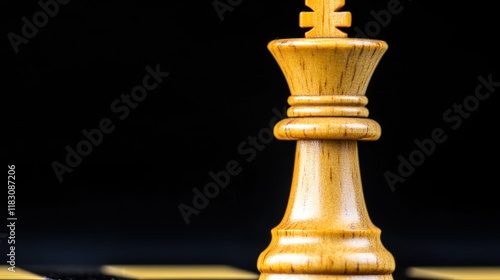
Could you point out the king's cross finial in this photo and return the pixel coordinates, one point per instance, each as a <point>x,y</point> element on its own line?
<point>325,18</point>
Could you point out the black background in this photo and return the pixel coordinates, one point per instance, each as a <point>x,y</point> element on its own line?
<point>120,203</point>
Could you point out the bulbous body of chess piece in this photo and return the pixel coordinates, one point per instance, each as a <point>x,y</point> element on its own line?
<point>326,232</point>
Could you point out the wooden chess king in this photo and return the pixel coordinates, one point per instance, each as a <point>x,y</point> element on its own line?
<point>326,232</point>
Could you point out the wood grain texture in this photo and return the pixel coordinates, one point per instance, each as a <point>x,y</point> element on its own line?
<point>325,19</point>
<point>326,231</point>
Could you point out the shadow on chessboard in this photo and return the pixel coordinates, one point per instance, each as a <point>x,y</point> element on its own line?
<point>213,272</point>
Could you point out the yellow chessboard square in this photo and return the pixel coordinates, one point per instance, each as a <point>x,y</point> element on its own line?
<point>158,272</point>
<point>19,274</point>
<point>454,273</point>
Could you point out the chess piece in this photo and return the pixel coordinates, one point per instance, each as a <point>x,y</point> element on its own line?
<point>326,232</point>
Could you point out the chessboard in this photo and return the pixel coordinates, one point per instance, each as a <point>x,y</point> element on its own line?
<point>215,272</point>
<point>128,272</point>
<point>454,273</point>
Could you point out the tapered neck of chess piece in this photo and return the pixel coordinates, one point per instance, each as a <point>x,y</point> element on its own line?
<point>326,231</point>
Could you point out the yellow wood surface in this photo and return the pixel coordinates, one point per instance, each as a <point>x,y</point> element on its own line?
<point>454,273</point>
<point>325,19</point>
<point>19,274</point>
<point>178,272</point>
<point>326,232</point>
